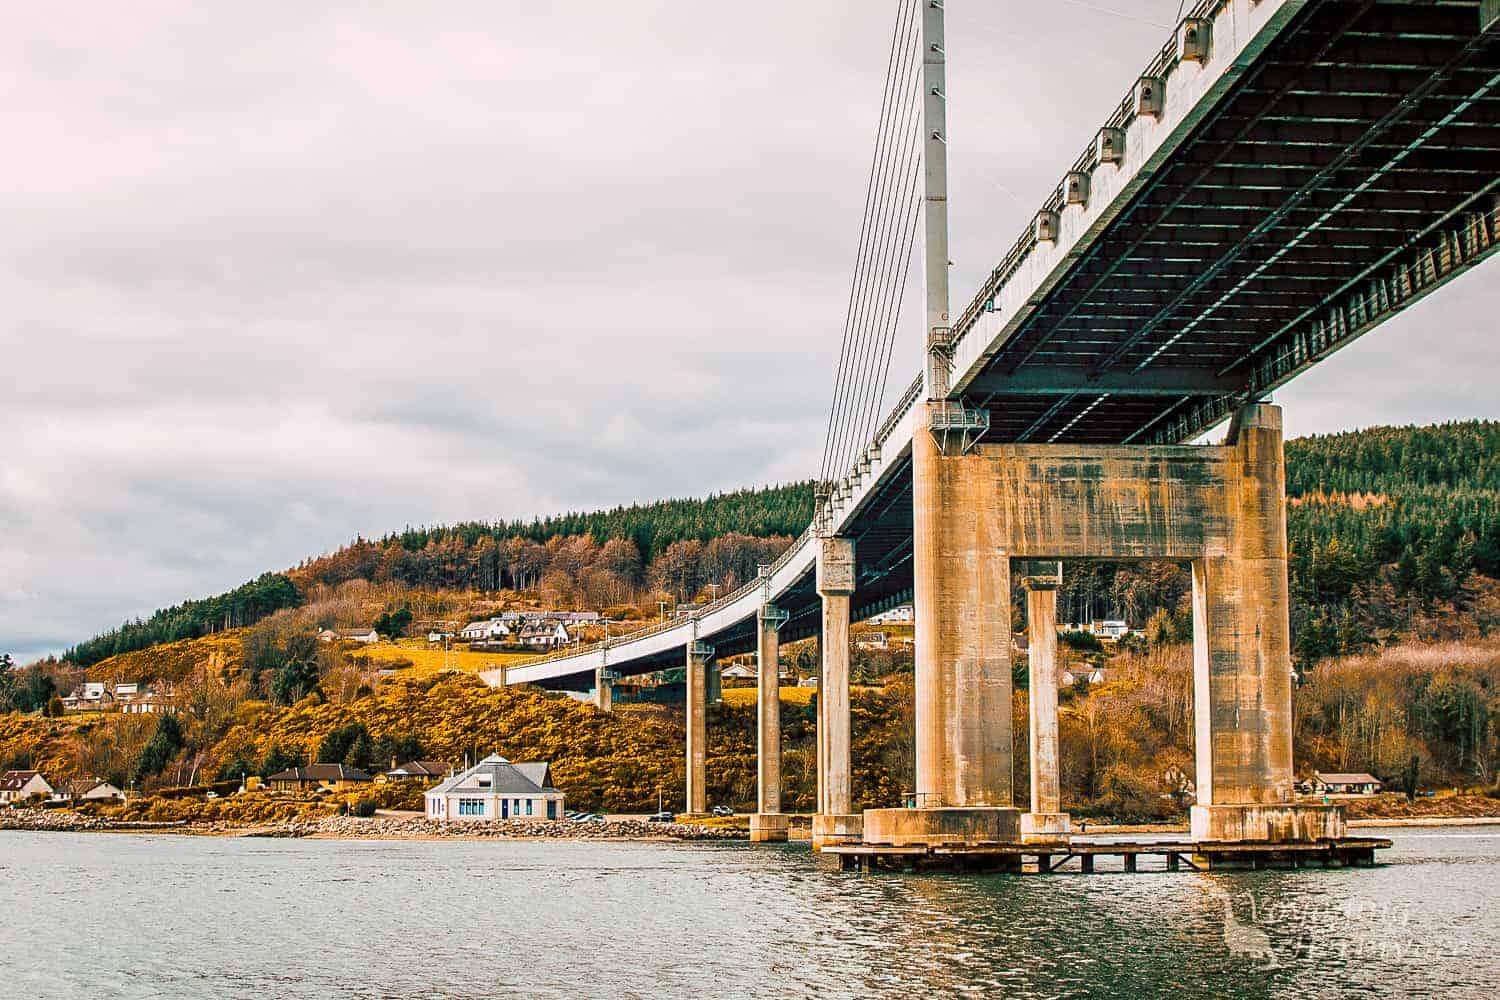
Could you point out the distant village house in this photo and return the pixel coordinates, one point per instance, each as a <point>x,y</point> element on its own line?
<point>364,636</point>
<point>18,785</point>
<point>416,770</point>
<point>329,777</point>
<point>1344,784</point>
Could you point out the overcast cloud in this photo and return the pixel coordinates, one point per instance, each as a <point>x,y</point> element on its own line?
<point>273,275</point>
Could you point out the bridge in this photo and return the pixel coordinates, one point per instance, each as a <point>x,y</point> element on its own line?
<point>1281,178</point>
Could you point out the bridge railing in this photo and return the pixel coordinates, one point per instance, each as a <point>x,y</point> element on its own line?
<point>667,625</point>
<point>1162,64</point>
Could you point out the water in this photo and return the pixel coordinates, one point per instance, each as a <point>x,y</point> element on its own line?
<point>93,915</point>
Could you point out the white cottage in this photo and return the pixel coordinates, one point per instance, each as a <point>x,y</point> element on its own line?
<point>497,789</point>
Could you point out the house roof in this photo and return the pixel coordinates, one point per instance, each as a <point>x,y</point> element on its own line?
<point>79,787</point>
<point>14,781</point>
<point>321,772</point>
<point>1346,779</point>
<point>421,768</point>
<point>505,778</point>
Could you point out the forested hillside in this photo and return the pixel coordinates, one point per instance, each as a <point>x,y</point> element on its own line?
<point>1387,526</point>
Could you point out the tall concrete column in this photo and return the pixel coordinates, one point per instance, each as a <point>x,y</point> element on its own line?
<point>768,823</point>
<point>835,821</point>
<point>604,690</point>
<point>1046,820</point>
<point>1242,661</point>
<point>963,633</point>
<point>699,656</point>
<point>961,576</point>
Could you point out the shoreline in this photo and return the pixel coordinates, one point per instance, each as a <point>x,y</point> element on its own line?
<point>619,831</point>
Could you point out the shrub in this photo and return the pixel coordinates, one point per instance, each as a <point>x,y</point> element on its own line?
<point>363,808</point>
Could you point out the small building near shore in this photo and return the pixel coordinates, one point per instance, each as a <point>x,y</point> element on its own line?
<point>496,789</point>
<point>90,790</point>
<point>329,777</point>
<point>1344,784</point>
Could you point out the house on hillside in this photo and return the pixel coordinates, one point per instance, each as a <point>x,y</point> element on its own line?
<point>147,704</point>
<point>871,640</point>
<point>89,695</point>
<point>545,634</point>
<point>416,770</point>
<point>496,789</point>
<point>1084,672</point>
<point>487,630</point>
<point>1345,784</point>
<point>89,790</point>
<point>313,777</point>
<point>18,785</point>
<point>364,636</point>
<point>739,672</point>
<point>903,615</point>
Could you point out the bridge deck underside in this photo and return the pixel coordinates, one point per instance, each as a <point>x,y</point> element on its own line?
<point>1361,133</point>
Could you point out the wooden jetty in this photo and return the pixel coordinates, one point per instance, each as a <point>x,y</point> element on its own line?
<point>1058,857</point>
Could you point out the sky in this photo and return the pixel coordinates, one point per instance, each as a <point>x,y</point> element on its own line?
<point>275,275</point>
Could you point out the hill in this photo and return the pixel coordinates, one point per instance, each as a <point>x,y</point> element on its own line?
<point>1388,527</point>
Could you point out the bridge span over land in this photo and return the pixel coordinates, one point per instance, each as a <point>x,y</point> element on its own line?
<point>1282,177</point>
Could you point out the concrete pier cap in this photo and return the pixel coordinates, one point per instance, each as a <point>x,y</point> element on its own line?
<point>769,827</point>
<point>964,826</point>
<point>837,828</point>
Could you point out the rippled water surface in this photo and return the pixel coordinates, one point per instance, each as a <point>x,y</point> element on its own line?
<point>91,915</point>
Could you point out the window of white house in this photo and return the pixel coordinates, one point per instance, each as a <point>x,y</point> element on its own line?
<point>528,807</point>
<point>516,807</point>
<point>471,807</point>
<point>483,779</point>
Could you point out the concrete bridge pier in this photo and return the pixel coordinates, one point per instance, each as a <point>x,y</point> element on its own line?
<point>961,573</point>
<point>1046,821</point>
<point>604,690</point>
<point>699,660</point>
<point>1220,507</point>
<point>835,821</point>
<point>769,823</point>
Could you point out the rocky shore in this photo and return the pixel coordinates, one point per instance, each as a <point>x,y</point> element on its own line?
<point>377,828</point>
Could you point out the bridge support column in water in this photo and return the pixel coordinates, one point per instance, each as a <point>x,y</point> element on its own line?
<point>835,821</point>
<point>769,822</point>
<point>1222,508</point>
<point>699,661</point>
<point>1046,820</point>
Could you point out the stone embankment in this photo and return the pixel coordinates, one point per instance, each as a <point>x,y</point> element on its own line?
<point>378,828</point>
<point>63,821</point>
<point>416,827</point>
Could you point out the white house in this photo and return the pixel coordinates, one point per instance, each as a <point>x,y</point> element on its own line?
<point>739,672</point>
<point>364,636</point>
<point>150,704</point>
<point>496,789</point>
<point>550,633</point>
<point>16,785</point>
<point>489,628</point>
<point>89,790</point>
<point>902,615</point>
<point>871,640</point>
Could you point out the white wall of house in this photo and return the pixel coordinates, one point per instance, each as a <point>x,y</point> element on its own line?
<point>459,806</point>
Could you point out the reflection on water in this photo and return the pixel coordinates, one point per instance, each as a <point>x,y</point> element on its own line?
<point>97,915</point>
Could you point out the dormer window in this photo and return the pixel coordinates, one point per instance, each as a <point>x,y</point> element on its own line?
<point>483,779</point>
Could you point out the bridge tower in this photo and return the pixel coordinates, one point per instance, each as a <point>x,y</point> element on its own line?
<point>978,506</point>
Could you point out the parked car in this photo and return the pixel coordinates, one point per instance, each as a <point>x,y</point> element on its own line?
<point>661,817</point>
<point>722,811</point>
